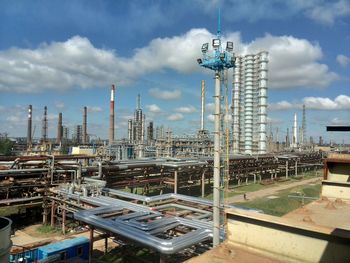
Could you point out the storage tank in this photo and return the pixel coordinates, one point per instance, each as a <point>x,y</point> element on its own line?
<point>5,239</point>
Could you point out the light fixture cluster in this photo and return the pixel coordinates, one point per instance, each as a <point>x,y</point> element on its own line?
<point>219,58</point>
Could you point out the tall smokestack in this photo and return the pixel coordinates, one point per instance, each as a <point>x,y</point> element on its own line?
<point>85,126</point>
<point>29,129</point>
<point>303,138</point>
<point>111,116</point>
<point>295,134</point>
<point>44,127</point>
<point>203,105</point>
<point>59,129</point>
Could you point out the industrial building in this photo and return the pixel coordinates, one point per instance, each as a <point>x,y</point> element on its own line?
<point>146,194</point>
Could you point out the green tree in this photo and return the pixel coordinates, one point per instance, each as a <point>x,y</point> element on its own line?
<point>6,146</point>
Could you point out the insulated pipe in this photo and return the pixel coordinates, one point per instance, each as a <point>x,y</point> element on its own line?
<point>29,129</point>
<point>85,125</point>
<point>111,116</point>
<point>59,129</point>
<point>216,189</point>
<point>203,105</point>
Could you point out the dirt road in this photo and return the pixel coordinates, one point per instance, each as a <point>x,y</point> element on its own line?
<point>269,191</point>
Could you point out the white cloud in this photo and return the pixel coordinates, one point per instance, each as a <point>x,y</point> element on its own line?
<point>77,63</point>
<point>165,94</point>
<point>94,109</point>
<point>343,60</point>
<point>338,121</point>
<point>175,117</point>
<point>283,105</point>
<point>341,102</point>
<point>154,108</point>
<point>328,12</point>
<point>322,11</point>
<point>293,62</point>
<point>211,117</point>
<point>59,104</point>
<point>210,107</point>
<point>186,109</point>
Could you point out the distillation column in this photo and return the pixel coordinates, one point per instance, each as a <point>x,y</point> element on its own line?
<point>44,127</point>
<point>130,131</point>
<point>111,116</point>
<point>262,101</point>
<point>85,126</point>
<point>202,105</point>
<point>29,128</point>
<point>59,129</point>
<point>236,105</point>
<point>295,133</point>
<point>248,99</point>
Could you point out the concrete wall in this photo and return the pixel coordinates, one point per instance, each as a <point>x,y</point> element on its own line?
<point>285,240</point>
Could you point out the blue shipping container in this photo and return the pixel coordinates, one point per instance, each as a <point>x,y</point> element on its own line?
<point>67,249</point>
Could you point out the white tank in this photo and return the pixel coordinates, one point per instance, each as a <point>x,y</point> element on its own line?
<point>5,239</point>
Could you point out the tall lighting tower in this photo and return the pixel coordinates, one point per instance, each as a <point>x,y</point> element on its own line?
<point>217,59</point>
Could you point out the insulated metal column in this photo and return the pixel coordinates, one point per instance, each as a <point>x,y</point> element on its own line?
<point>59,129</point>
<point>44,127</point>
<point>85,126</point>
<point>130,130</point>
<point>236,105</point>
<point>111,116</point>
<point>216,190</point>
<point>203,105</point>
<point>262,101</point>
<point>295,138</point>
<point>29,128</point>
<point>248,116</point>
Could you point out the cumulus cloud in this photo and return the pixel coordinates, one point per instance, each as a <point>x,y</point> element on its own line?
<point>186,109</point>
<point>210,107</point>
<point>154,108</point>
<point>322,11</point>
<point>211,117</point>
<point>343,60</point>
<point>175,117</point>
<point>339,121</point>
<point>165,94</point>
<point>94,109</point>
<point>328,12</point>
<point>78,63</point>
<point>341,102</point>
<point>283,105</point>
<point>59,104</point>
<point>293,62</point>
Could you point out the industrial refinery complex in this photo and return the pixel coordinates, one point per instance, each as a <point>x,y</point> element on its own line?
<point>234,192</point>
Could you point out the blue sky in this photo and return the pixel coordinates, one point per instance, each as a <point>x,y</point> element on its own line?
<point>65,54</point>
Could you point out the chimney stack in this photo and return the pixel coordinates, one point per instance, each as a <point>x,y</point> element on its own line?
<point>44,127</point>
<point>203,105</point>
<point>59,129</point>
<point>29,128</point>
<point>111,116</point>
<point>295,133</point>
<point>85,126</point>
